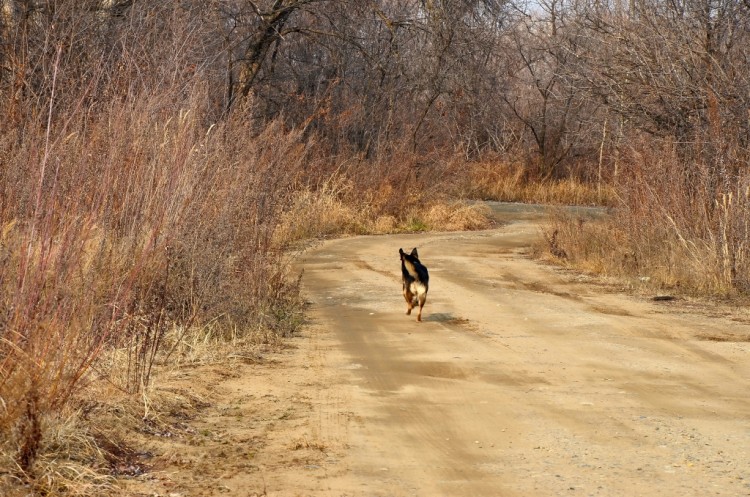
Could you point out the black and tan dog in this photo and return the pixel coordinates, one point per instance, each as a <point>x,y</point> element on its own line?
<point>416,281</point>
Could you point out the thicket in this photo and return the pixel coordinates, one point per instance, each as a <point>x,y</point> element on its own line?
<point>160,160</point>
<point>673,81</point>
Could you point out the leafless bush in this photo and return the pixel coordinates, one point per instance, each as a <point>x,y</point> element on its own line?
<point>117,228</point>
<point>670,227</point>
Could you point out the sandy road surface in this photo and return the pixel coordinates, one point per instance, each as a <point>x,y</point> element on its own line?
<point>522,380</point>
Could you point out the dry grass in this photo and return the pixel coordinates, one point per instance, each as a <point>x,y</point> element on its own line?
<point>371,199</point>
<point>507,182</point>
<point>321,212</point>
<point>671,232</point>
<point>458,216</point>
<point>69,461</point>
<point>653,258</point>
<point>124,243</point>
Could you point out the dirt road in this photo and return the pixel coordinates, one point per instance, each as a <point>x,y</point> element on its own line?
<point>522,380</point>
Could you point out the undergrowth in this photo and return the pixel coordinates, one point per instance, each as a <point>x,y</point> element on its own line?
<point>673,230</point>
<point>510,182</point>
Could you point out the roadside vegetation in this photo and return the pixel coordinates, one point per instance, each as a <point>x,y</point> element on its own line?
<point>161,163</point>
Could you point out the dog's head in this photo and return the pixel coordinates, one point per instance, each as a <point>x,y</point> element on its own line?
<point>413,254</point>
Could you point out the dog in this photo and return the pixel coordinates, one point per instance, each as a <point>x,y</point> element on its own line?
<point>416,281</point>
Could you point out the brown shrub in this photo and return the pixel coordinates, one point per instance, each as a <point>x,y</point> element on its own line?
<point>510,182</point>
<point>458,216</point>
<point>674,227</point>
<point>117,230</point>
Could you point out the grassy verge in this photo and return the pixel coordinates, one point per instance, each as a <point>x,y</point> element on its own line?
<point>125,244</point>
<point>675,229</point>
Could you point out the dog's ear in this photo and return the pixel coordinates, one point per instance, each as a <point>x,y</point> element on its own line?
<point>401,253</point>
<point>414,253</point>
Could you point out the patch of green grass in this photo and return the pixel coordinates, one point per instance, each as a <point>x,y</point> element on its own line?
<point>416,224</point>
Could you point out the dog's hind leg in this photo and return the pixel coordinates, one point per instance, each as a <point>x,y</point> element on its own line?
<point>422,300</point>
<point>409,300</point>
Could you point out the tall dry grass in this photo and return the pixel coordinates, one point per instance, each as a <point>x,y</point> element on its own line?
<point>510,182</point>
<point>121,231</point>
<point>339,207</point>
<point>396,192</point>
<point>676,227</point>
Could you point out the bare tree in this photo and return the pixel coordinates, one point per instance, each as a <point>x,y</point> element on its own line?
<point>677,70</point>
<point>551,108</point>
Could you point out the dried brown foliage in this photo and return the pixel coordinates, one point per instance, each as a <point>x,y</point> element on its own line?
<point>671,227</point>
<point>159,159</point>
